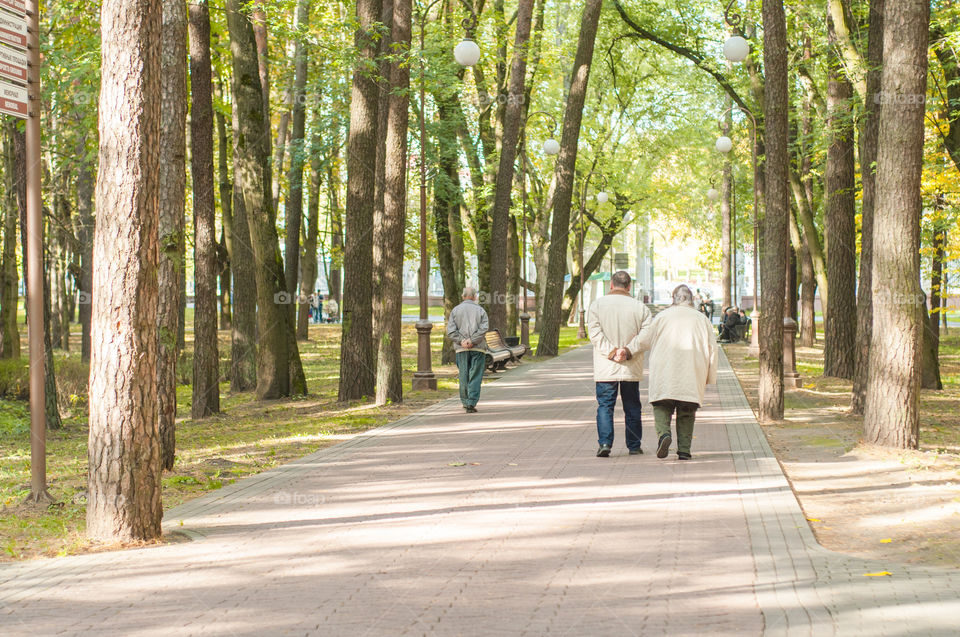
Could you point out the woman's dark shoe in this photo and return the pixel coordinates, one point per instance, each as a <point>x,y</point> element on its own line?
<point>664,445</point>
<point>603,451</point>
<point>636,452</point>
<point>683,455</point>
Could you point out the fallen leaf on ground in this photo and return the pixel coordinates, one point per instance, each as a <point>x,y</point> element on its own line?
<point>813,520</point>
<point>886,541</point>
<point>878,574</point>
<point>457,464</point>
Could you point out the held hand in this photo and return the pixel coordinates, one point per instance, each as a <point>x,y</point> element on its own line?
<point>467,343</point>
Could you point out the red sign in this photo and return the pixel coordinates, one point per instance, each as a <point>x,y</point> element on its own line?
<point>13,30</point>
<point>13,64</point>
<point>13,100</point>
<point>17,6</point>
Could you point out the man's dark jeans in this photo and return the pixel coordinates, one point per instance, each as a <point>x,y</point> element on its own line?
<point>607,400</point>
<point>471,364</point>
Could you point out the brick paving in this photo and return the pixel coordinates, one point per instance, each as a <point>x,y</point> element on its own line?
<point>498,523</point>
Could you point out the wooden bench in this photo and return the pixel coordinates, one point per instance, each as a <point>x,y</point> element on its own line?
<point>497,353</point>
<point>516,351</point>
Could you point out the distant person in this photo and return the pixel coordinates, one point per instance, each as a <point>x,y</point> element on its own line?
<point>615,323</point>
<point>729,324</point>
<point>745,324</point>
<point>316,306</point>
<point>467,327</point>
<point>332,308</point>
<point>683,361</point>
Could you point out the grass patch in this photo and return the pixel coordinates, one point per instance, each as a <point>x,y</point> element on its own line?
<point>246,438</point>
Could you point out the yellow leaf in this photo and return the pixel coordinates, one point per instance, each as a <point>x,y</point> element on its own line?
<point>814,520</point>
<point>886,540</point>
<point>810,386</point>
<point>878,574</point>
<point>457,464</point>
<point>512,464</point>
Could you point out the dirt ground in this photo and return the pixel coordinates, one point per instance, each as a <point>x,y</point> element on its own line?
<point>900,506</point>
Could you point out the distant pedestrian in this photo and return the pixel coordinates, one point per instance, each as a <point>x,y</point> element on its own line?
<point>683,361</point>
<point>467,327</point>
<point>332,308</point>
<point>616,321</point>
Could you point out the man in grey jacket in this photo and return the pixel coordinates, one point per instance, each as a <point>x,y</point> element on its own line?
<point>466,327</point>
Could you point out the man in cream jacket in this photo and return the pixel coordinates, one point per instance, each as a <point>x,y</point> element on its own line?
<point>683,361</point>
<point>615,324</point>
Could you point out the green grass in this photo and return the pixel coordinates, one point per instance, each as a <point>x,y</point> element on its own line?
<point>246,438</point>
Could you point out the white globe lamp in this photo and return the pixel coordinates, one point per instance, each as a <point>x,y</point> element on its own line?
<point>736,49</point>
<point>467,53</point>
<point>724,144</point>
<point>713,194</point>
<point>602,197</point>
<point>551,147</point>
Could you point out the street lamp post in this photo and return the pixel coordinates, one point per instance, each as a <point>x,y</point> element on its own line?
<point>467,53</point>
<point>602,198</point>
<point>550,147</point>
<point>725,145</point>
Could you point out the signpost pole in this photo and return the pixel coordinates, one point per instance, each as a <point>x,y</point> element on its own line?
<point>38,424</point>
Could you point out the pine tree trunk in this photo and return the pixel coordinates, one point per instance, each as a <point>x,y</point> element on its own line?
<point>891,417</point>
<point>930,357</point>
<point>550,315</point>
<point>334,280</point>
<point>9,289</point>
<point>726,219</point>
<point>308,264</point>
<point>226,220</point>
<point>777,211</point>
<point>206,358</point>
<point>869,133</point>
<point>252,171</point>
<point>358,351</point>
<point>294,206</point>
<point>500,214</point>
<point>173,181</point>
<point>380,179</point>
<point>389,235</point>
<point>513,277</point>
<point>124,446</point>
<point>808,288</point>
<point>446,209</point>
<point>840,328</point>
<point>85,194</point>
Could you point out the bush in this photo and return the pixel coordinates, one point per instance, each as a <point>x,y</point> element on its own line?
<point>72,380</point>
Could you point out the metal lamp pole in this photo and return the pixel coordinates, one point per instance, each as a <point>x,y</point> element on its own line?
<point>424,378</point>
<point>549,146</point>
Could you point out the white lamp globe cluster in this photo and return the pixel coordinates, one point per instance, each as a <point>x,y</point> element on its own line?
<point>467,53</point>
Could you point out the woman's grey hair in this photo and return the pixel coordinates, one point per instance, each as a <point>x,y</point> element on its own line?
<point>682,296</point>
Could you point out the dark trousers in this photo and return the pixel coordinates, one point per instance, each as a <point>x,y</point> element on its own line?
<point>471,366</point>
<point>686,417</point>
<point>607,400</point>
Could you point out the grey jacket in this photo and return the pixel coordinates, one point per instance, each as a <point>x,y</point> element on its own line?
<point>468,321</point>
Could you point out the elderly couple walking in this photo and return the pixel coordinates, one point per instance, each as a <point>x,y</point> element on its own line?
<point>683,360</point>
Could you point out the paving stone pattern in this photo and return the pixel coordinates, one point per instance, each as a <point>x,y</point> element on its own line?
<point>496,523</point>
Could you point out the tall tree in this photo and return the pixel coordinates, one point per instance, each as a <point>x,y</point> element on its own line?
<point>358,352</point>
<point>727,249</point>
<point>173,182</point>
<point>294,206</point>
<point>308,264</point>
<point>840,327</point>
<point>13,159</point>
<point>85,193</point>
<point>891,416</point>
<point>500,214</point>
<point>225,191</point>
<point>551,316</point>
<point>274,322</point>
<point>389,235</point>
<point>777,210</point>
<point>124,446</point>
<point>869,134</point>
<point>206,358</point>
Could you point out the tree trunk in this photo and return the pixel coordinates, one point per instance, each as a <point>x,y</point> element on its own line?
<point>869,133</point>
<point>85,194</point>
<point>726,218</point>
<point>226,219</point>
<point>840,327</point>
<point>806,219</point>
<point>334,276</point>
<point>936,283</point>
<point>513,277</point>
<point>294,205</point>
<point>358,353</point>
<point>550,315</point>
<point>930,357</point>
<point>124,447</point>
<point>9,275</point>
<point>383,110</point>
<point>508,157</point>
<point>891,417</point>
<point>173,182</point>
<point>446,211</point>
<point>777,211</point>
<point>252,171</point>
<point>308,264</point>
<point>808,288</point>
<point>390,234</point>
<point>206,358</point>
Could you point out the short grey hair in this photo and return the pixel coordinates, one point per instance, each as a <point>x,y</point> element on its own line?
<point>682,296</point>
<point>469,293</point>
<point>621,280</point>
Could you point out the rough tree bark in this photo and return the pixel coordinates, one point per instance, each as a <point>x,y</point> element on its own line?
<point>726,217</point>
<point>390,234</point>
<point>9,288</point>
<point>840,328</point>
<point>891,417</point>
<point>551,316</point>
<point>358,353</point>
<point>206,358</point>
<point>500,214</point>
<point>173,182</point>
<point>225,189</point>
<point>308,264</point>
<point>294,206</point>
<point>85,194</point>
<point>124,448</point>
<point>777,210</point>
<point>869,133</point>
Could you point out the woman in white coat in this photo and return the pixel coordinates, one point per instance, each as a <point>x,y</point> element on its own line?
<point>683,361</point>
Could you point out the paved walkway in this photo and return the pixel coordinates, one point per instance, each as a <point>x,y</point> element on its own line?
<point>500,523</point>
